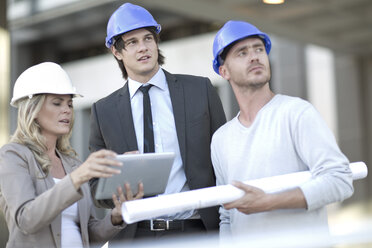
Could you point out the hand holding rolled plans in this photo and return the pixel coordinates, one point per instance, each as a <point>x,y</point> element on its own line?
<point>149,208</point>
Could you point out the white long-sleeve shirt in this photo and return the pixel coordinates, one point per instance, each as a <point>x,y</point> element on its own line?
<point>288,135</point>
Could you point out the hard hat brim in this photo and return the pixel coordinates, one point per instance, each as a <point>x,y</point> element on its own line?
<point>14,102</point>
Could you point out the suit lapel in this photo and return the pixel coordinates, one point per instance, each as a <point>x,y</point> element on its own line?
<point>124,109</point>
<point>178,104</point>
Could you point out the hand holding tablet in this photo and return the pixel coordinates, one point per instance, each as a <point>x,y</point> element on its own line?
<point>152,169</point>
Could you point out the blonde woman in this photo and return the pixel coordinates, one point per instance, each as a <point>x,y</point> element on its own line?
<point>43,190</point>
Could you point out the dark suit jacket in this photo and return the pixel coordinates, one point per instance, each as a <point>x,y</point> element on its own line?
<point>198,113</point>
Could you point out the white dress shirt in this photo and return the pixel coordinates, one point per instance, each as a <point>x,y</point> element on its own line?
<point>165,135</point>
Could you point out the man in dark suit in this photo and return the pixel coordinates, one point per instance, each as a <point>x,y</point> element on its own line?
<point>185,112</point>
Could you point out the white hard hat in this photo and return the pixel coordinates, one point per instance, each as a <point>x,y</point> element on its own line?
<point>47,77</point>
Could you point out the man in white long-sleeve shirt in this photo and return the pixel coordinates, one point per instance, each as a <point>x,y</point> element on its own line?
<point>271,135</point>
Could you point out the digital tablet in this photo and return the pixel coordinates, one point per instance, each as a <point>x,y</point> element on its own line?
<point>152,169</point>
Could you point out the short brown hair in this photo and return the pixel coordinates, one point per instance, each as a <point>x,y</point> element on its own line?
<point>119,45</point>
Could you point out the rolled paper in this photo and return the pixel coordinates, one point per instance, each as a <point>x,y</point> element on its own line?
<point>149,208</point>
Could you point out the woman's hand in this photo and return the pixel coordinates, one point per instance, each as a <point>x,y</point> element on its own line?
<point>116,214</point>
<point>97,165</point>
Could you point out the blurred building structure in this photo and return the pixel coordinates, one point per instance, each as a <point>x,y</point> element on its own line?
<point>4,100</point>
<point>322,52</point>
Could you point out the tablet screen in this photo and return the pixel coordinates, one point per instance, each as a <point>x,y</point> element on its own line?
<point>152,169</point>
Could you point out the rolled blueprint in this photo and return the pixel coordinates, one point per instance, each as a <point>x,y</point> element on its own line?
<point>149,208</point>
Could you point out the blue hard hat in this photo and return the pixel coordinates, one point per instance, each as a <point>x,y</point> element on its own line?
<point>233,31</point>
<point>126,18</point>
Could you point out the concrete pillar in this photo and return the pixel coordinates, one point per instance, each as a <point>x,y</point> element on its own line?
<point>287,60</point>
<point>366,105</point>
<point>80,133</point>
<point>351,102</point>
<point>229,103</point>
<point>321,85</point>
<point>4,99</point>
<point>4,76</point>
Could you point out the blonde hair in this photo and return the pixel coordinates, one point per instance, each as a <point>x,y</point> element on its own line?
<point>28,132</point>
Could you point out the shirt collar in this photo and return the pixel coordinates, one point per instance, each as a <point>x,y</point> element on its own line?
<point>157,80</point>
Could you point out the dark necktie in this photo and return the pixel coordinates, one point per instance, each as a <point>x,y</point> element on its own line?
<point>148,133</point>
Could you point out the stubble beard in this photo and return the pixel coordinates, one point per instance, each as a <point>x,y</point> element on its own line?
<point>255,85</point>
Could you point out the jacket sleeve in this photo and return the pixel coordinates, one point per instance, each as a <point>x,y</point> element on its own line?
<point>217,114</point>
<point>30,211</point>
<point>96,143</point>
<point>93,183</point>
<point>101,230</point>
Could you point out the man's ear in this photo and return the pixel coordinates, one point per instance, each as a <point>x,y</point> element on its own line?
<point>224,72</point>
<point>116,53</point>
